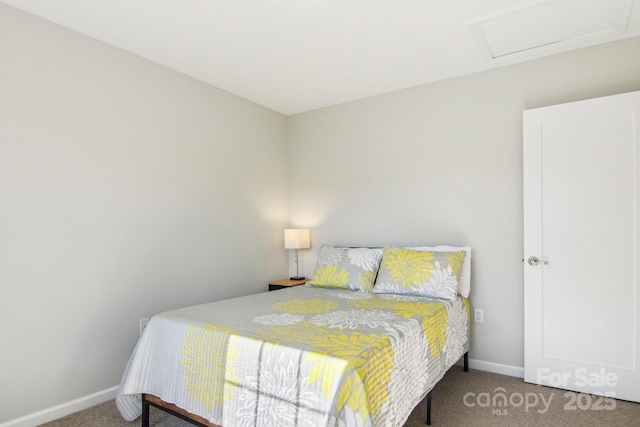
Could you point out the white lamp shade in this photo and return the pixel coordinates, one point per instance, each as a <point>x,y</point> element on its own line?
<point>297,238</point>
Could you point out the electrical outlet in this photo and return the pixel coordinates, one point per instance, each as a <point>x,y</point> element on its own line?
<point>478,315</point>
<point>143,324</point>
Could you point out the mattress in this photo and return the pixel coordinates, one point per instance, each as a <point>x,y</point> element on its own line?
<point>304,356</point>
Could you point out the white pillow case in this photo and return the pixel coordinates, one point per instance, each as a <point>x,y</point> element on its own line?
<point>464,283</point>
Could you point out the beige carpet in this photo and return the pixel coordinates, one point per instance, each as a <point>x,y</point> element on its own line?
<point>526,405</point>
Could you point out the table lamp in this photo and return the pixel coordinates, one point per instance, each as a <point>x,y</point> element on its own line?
<point>297,238</point>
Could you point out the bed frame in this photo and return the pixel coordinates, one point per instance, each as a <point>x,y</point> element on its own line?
<point>149,400</point>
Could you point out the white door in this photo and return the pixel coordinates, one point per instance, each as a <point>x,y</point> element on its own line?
<point>582,297</point>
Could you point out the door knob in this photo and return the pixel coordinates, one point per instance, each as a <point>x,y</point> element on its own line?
<point>535,261</point>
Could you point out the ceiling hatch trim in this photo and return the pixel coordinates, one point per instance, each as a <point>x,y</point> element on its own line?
<point>542,27</point>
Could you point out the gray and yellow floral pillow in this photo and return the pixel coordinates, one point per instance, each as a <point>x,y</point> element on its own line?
<point>346,268</point>
<point>423,273</point>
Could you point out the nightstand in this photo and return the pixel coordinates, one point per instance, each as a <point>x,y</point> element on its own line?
<point>286,283</point>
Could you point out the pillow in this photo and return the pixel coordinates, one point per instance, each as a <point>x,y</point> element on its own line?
<point>415,272</point>
<point>464,284</point>
<point>346,268</point>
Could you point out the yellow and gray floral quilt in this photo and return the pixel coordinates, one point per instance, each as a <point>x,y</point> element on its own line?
<point>298,357</point>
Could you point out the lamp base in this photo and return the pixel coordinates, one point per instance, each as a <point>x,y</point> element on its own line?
<point>297,278</point>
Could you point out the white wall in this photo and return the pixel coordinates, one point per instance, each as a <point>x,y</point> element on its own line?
<point>442,164</point>
<point>125,189</point>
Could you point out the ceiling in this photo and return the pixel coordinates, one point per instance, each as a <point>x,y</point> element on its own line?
<point>299,55</point>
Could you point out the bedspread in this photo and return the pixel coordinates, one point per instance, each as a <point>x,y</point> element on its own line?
<point>303,356</point>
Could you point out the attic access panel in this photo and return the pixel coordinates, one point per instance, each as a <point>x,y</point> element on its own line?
<point>549,24</point>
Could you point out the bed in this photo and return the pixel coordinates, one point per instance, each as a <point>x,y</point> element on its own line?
<point>312,355</point>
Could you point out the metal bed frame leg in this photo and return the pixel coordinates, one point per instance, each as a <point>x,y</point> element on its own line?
<point>145,412</point>
<point>466,369</point>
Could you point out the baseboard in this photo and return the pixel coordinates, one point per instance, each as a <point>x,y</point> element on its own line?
<point>62,410</point>
<point>495,368</point>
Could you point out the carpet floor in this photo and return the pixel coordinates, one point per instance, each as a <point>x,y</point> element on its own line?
<point>460,399</point>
